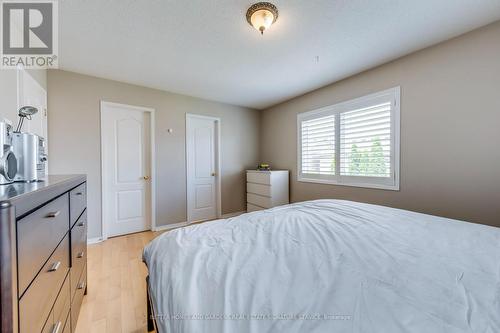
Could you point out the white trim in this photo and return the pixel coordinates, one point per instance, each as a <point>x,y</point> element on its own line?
<point>152,124</point>
<point>170,226</point>
<point>218,126</point>
<point>19,75</point>
<point>229,215</point>
<point>94,240</point>
<point>397,137</point>
<point>185,224</point>
<point>120,105</point>
<point>391,183</point>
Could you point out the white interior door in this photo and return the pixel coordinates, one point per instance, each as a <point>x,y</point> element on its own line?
<point>31,93</point>
<point>126,174</point>
<point>202,165</point>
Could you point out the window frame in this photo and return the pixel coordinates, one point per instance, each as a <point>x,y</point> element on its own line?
<point>385,183</point>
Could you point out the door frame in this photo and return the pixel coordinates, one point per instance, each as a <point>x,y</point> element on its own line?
<point>103,105</point>
<point>218,194</point>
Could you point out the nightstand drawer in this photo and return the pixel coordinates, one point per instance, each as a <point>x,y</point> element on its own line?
<point>253,208</point>
<point>259,200</point>
<point>260,189</point>
<point>259,177</point>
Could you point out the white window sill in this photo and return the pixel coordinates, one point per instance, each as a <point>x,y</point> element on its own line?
<point>389,187</point>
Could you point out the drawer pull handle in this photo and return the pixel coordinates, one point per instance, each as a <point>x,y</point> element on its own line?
<point>57,327</point>
<point>81,285</point>
<point>55,266</point>
<point>80,254</point>
<point>81,224</point>
<point>53,214</point>
<point>79,193</point>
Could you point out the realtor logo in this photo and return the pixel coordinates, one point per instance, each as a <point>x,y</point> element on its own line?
<point>29,34</point>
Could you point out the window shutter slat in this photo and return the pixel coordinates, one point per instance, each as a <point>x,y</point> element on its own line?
<point>371,110</point>
<point>365,141</point>
<point>318,146</point>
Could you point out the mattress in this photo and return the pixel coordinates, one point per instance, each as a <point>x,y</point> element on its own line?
<point>327,266</point>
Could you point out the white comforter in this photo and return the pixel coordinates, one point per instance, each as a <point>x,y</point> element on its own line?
<point>327,266</point>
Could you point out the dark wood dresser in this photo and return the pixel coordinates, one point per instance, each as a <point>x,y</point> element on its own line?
<point>43,254</point>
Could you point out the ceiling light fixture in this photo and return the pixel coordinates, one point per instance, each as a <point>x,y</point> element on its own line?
<point>262,15</point>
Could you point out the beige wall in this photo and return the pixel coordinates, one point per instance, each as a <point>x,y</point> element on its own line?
<point>8,91</point>
<point>450,129</point>
<point>74,140</point>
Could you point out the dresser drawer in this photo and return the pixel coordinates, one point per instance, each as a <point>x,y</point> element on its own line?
<point>77,300</point>
<point>38,235</point>
<point>253,208</point>
<point>77,201</point>
<point>259,189</point>
<point>62,305</point>
<point>49,324</point>
<point>78,250</point>
<point>259,200</point>
<point>55,327</point>
<point>60,313</point>
<point>67,326</point>
<point>259,177</point>
<point>35,305</point>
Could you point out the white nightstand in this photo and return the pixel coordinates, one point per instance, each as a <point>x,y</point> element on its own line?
<point>266,189</point>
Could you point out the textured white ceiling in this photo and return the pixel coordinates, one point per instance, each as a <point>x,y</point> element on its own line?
<point>205,48</point>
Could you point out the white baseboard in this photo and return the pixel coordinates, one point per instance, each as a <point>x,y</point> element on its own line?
<point>170,226</point>
<point>185,224</point>
<point>229,215</point>
<point>94,240</point>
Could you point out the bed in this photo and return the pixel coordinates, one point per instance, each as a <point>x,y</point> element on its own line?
<point>326,266</point>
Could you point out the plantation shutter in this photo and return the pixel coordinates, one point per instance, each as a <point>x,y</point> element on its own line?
<point>352,143</point>
<point>365,141</point>
<point>318,146</point>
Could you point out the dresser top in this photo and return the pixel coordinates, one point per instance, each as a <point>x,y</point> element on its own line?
<point>26,196</point>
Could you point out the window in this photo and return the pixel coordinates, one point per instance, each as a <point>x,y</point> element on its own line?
<point>355,143</point>
<point>318,146</point>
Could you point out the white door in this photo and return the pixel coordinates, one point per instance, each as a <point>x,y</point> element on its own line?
<point>31,93</point>
<point>126,161</point>
<point>202,152</point>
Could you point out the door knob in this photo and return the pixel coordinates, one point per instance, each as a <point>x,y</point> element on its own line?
<point>146,177</point>
<point>214,174</point>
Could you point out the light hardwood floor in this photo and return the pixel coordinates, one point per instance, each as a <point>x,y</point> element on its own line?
<point>116,294</point>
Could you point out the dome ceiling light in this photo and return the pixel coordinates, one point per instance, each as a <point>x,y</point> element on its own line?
<point>262,15</point>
